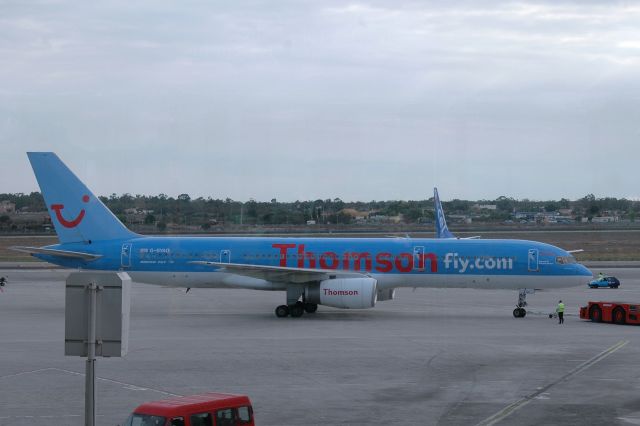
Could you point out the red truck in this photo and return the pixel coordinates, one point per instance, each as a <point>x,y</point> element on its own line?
<point>207,409</point>
<point>615,312</point>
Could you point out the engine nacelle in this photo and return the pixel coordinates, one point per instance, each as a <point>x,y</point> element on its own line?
<point>345,293</point>
<point>386,294</point>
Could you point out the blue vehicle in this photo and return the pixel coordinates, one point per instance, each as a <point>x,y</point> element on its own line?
<point>608,282</point>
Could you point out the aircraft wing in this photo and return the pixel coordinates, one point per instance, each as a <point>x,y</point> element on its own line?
<point>279,273</point>
<point>67,254</point>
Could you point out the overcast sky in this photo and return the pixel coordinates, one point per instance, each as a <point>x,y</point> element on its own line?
<point>306,100</point>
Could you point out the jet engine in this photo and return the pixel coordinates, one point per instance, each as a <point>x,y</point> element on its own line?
<point>386,294</point>
<point>346,293</point>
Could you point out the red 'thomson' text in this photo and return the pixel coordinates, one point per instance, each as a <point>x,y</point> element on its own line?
<point>357,261</point>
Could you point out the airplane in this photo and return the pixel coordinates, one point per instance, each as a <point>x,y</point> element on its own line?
<point>347,273</point>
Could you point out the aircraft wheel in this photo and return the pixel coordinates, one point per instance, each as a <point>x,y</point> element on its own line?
<point>310,308</point>
<point>296,310</point>
<point>519,312</point>
<point>282,311</point>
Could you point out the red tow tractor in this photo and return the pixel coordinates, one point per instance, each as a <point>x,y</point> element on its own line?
<point>614,312</point>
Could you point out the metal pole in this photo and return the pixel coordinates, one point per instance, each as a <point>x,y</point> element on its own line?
<point>90,383</point>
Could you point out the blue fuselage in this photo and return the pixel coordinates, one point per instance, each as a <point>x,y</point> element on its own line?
<point>392,261</point>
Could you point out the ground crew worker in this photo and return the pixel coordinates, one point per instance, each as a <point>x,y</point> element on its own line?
<point>560,311</point>
<point>600,276</point>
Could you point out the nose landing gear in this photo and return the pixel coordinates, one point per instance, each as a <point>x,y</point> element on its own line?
<point>520,311</point>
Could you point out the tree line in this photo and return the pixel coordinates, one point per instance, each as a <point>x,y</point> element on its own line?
<point>162,210</point>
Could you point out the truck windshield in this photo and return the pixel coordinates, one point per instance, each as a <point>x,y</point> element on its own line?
<point>145,420</point>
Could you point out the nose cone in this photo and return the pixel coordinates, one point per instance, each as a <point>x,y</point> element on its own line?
<point>583,270</point>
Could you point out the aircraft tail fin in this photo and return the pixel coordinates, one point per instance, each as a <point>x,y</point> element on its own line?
<point>442,231</point>
<point>77,214</point>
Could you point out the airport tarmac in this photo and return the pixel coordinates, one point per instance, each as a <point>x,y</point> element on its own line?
<point>430,357</point>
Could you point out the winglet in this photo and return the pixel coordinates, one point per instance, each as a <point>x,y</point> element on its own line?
<point>442,231</point>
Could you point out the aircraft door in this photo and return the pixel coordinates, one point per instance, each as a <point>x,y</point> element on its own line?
<point>418,258</point>
<point>225,256</point>
<point>532,260</point>
<point>125,256</point>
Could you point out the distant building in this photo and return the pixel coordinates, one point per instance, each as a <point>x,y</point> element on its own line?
<point>7,206</point>
<point>460,218</point>
<point>355,214</point>
<point>605,219</point>
<point>135,210</point>
<point>379,218</point>
<point>564,219</point>
<point>484,207</point>
<point>538,217</point>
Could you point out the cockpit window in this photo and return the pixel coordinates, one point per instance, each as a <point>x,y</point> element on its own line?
<point>565,260</point>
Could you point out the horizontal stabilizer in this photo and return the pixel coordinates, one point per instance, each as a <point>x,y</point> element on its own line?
<point>57,253</point>
<point>280,273</point>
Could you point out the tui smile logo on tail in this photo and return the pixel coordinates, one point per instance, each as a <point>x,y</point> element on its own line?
<point>69,223</point>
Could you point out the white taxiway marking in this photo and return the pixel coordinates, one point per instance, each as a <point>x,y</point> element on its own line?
<point>512,408</point>
<point>128,386</point>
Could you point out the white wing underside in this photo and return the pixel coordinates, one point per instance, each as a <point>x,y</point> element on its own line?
<point>280,273</point>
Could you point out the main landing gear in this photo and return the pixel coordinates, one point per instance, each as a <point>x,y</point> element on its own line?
<point>520,311</point>
<point>296,310</point>
<point>294,307</point>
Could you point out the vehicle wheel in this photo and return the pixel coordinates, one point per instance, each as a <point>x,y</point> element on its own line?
<point>595,314</point>
<point>619,316</point>
<point>310,308</point>
<point>282,311</point>
<point>296,310</point>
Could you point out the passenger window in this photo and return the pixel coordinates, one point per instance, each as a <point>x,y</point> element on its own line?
<point>177,421</point>
<point>244,415</point>
<point>225,417</point>
<point>203,419</point>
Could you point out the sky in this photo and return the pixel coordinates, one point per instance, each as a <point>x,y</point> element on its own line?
<point>295,100</point>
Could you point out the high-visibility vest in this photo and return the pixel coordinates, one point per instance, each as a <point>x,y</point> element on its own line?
<point>560,307</point>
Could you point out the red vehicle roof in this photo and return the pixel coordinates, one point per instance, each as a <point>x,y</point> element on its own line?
<point>192,404</point>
